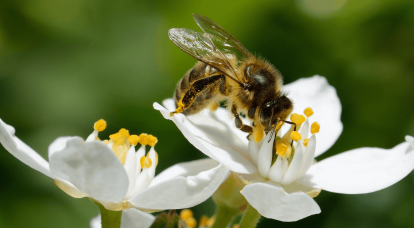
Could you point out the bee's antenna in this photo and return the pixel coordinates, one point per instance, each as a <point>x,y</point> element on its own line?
<point>273,130</point>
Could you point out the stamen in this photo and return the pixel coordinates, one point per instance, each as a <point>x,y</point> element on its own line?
<point>203,221</point>
<point>143,139</point>
<point>124,132</point>
<point>191,222</point>
<point>152,140</point>
<point>145,162</point>
<point>297,119</point>
<point>236,226</point>
<point>295,136</point>
<point>185,214</point>
<point>133,140</point>
<point>305,142</point>
<point>308,112</point>
<point>315,127</point>
<point>100,125</point>
<point>283,148</point>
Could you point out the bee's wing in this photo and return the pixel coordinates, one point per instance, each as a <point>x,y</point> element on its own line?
<point>200,46</point>
<point>224,41</point>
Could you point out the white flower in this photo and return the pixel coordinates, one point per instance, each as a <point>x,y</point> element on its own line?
<point>283,190</point>
<point>116,175</point>
<point>131,218</point>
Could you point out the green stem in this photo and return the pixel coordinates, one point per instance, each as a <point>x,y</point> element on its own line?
<point>110,219</point>
<point>224,216</point>
<point>250,218</point>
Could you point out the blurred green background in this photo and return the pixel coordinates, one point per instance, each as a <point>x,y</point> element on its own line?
<point>66,63</point>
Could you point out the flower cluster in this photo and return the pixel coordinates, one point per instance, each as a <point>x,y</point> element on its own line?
<point>281,182</point>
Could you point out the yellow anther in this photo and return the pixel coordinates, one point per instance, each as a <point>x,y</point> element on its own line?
<point>100,125</point>
<point>143,139</point>
<point>315,127</point>
<point>203,221</point>
<point>297,119</point>
<point>152,140</point>
<point>145,162</point>
<point>308,112</point>
<point>295,136</point>
<point>124,132</point>
<point>191,222</point>
<point>210,221</point>
<point>305,142</point>
<point>283,148</point>
<point>185,214</point>
<point>236,226</point>
<point>133,140</point>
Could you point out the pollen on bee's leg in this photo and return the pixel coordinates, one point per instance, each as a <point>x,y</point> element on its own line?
<point>258,133</point>
<point>295,136</point>
<point>214,106</point>
<point>315,127</point>
<point>308,112</point>
<point>145,162</point>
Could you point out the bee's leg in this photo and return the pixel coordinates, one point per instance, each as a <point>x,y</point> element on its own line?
<point>195,89</point>
<point>239,123</point>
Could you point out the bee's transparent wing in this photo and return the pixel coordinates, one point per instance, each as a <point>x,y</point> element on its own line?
<point>200,46</point>
<point>223,40</point>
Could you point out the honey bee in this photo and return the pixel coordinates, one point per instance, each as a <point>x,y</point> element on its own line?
<point>227,71</point>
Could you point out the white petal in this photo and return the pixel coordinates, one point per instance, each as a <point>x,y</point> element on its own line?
<point>141,183</point>
<point>96,222</point>
<point>22,151</point>
<point>222,153</point>
<point>69,188</point>
<point>315,92</point>
<point>294,167</point>
<point>93,168</point>
<point>254,150</point>
<point>309,155</point>
<point>140,153</point>
<point>130,166</point>
<point>409,139</point>
<point>182,192</point>
<point>185,169</point>
<point>134,218</point>
<point>304,130</point>
<point>276,171</point>
<point>273,202</point>
<point>152,156</point>
<point>57,145</point>
<point>131,218</point>
<point>362,170</point>
<point>265,156</point>
<point>169,104</point>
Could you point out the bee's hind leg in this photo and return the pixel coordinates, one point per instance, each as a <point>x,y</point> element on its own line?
<point>196,88</point>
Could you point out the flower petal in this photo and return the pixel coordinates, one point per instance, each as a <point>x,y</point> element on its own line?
<point>181,191</point>
<point>22,151</point>
<point>69,188</point>
<point>315,92</point>
<point>92,167</point>
<point>206,142</point>
<point>294,167</point>
<point>264,160</point>
<point>309,155</point>
<point>272,201</point>
<point>131,218</point>
<point>130,166</point>
<point>362,170</point>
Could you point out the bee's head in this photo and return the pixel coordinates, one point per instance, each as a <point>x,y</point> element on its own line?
<point>271,110</point>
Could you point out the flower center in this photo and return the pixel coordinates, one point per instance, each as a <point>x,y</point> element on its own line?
<point>122,141</point>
